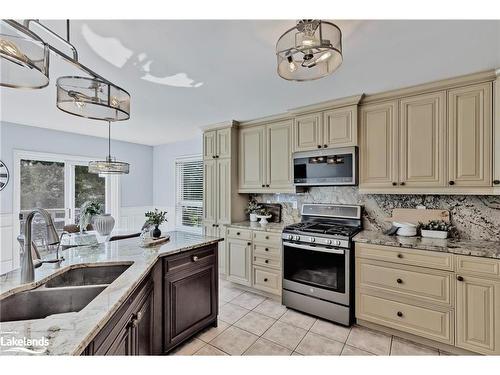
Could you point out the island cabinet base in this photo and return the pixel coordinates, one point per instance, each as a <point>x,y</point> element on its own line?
<point>175,301</point>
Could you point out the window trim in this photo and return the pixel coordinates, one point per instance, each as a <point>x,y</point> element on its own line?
<point>179,226</point>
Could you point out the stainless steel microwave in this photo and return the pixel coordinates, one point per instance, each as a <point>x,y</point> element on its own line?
<point>329,167</point>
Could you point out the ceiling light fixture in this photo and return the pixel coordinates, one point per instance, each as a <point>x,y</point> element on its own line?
<point>310,50</point>
<point>25,64</point>
<point>110,166</point>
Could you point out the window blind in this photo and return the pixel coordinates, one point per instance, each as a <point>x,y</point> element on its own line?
<point>189,193</point>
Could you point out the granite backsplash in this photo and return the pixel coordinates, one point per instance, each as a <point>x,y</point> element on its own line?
<point>474,216</point>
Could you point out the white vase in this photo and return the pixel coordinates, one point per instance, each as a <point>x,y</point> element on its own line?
<point>253,217</point>
<point>104,224</point>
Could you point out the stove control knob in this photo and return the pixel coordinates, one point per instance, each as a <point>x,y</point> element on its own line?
<point>290,237</point>
<point>328,242</point>
<point>312,239</point>
<point>297,238</point>
<point>336,242</point>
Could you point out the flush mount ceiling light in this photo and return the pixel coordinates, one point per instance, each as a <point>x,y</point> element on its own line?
<point>109,166</point>
<point>24,63</point>
<point>310,50</point>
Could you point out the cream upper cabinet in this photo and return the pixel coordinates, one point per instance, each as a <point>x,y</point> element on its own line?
<point>422,130</point>
<point>307,131</point>
<point>251,158</point>
<point>239,261</point>
<point>209,190</point>
<point>379,145</point>
<point>279,151</point>
<point>223,191</point>
<point>470,135</point>
<point>340,127</point>
<point>209,144</point>
<point>478,314</point>
<point>496,132</point>
<point>223,143</point>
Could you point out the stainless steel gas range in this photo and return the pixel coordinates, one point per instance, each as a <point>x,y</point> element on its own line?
<point>318,261</point>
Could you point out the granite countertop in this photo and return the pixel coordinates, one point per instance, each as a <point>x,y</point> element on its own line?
<point>70,333</point>
<point>478,248</point>
<point>270,227</point>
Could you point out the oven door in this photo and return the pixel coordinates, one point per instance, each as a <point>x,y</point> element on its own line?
<point>317,271</point>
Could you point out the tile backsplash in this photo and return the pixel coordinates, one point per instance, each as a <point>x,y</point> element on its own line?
<point>474,216</point>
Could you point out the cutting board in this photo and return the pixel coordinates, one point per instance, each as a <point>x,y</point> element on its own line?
<point>415,215</point>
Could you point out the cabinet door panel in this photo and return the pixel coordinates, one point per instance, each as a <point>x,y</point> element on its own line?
<point>239,261</point>
<point>478,315</point>
<point>279,155</point>
<point>378,145</point>
<point>210,190</point>
<point>123,343</point>
<point>209,144</point>
<point>422,140</point>
<point>469,135</point>
<point>340,127</point>
<point>307,131</point>
<point>223,191</point>
<point>224,143</point>
<point>142,326</point>
<point>252,155</point>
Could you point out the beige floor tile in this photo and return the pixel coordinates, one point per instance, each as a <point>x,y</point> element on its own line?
<point>285,334</point>
<point>226,294</point>
<point>266,347</point>
<point>405,347</point>
<point>248,300</point>
<point>369,340</point>
<point>331,330</point>
<point>189,348</point>
<point>351,350</point>
<point>298,319</point>
<point>234,341</point>
<point>255,323</point>
<point>209,334</point>
<point>271,308</point>
<point>231,313</point>
<point>209,350</point>
<point>313,344</point>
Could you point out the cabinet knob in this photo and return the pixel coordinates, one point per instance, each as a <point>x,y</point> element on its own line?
<point>399,281</point>
<point>213,225</point>
<point>319,146</point>
<point>267,249</point>
<point>265,280</point>
<point>460,278</point>
<point>399,313</point>
<point>238,233</point>
<point>400,255</point>
<point>267,237</point>
<point>195,258</point>
<point>213,156</point>
<point>451,183</point>
<point>216,156</point>
<point>496,182</point>
<point>249,243</point>
<point>263,185</point>
<point>267,185</point>
<point>266,261</point>
<point>394,183</point>
<point>402,183</point>
<point>325,146</point>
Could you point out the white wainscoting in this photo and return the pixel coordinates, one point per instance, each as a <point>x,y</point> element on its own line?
<point>9,251</point>
<point>132,218</point>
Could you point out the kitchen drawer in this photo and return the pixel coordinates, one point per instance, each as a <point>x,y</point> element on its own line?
<point>433,324</point>
<point>264,261</point>
<point>413,257</point>
<point>478,266</point>
<point>417,283</point>
<point>184,260</point>
<point>242,234</point>
<point>266,279</point>
<point>272,239</point>
<point>267,250</point>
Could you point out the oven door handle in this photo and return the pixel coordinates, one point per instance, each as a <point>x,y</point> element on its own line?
<point>314,248</point>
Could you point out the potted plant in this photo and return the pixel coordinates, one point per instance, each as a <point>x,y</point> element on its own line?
<point>263,214</point>
<point>88,210</point>
<point>156,218</point>
<point>435,229</point>
<point>252,209</point>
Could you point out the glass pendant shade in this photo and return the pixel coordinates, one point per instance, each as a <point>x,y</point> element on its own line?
<point>109,166</point>
<point>92,98</point>
<point>24,62</point>
<point>310,50</point>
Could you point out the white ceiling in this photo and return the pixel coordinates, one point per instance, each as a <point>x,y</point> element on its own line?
<point>186,74</point>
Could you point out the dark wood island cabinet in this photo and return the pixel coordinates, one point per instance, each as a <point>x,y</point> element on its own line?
<point>176,300</point>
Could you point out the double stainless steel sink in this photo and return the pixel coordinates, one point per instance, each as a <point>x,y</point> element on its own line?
<point>70,291</point>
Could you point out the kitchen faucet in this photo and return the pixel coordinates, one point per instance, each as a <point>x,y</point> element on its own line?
<point>27,264</point>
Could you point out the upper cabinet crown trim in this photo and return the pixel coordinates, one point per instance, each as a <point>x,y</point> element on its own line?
<point>330,104</point>
<point>444,84</point>
<point>220,125</point>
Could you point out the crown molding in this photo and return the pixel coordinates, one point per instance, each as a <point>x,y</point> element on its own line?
<point>221,125</point>
<point>329,104</point>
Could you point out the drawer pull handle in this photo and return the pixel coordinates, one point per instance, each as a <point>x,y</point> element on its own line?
<point>399,281</point>
<point>400,256</point>
<point>460,278</point>
<point>265,280</point>
<point>267,261</point>
<point>399,313</point>
<point>195,258</point>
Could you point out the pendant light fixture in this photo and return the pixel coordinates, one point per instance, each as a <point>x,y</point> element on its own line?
<point>25,64</point>
<point>310,50</point>
<point>110,166</point>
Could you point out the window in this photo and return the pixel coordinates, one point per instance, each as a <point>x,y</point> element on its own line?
<point>189,193</point>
